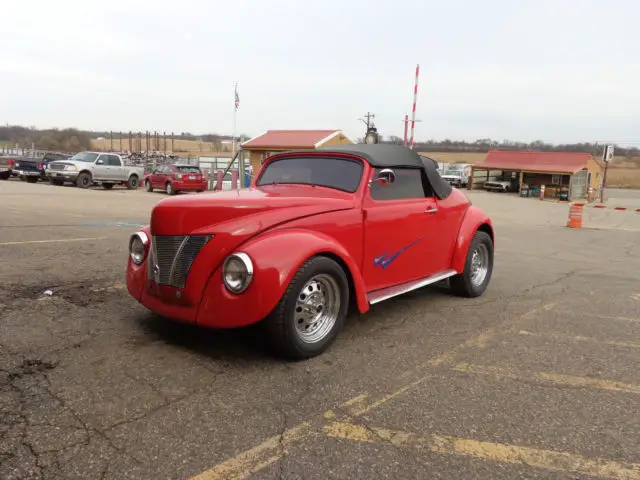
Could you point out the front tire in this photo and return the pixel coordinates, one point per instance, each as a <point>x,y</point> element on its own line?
<point>148,186</point>
<point>478,267</point>
<point>84,180</point>
<point>311,313</point>
<point>169,189</point>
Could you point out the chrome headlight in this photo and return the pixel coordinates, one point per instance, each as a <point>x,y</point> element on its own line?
<point>237,272</point>
<point>138,244</point>
<point>70,167</point>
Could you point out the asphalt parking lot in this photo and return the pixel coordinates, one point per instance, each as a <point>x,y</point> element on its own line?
<point>538,378</point>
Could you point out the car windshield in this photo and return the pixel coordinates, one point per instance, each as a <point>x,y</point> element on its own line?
<point>339,173</point>
<point>85,157</point>
<point>187,169</point>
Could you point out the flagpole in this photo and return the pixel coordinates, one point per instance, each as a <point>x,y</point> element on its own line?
<point>235,111</point>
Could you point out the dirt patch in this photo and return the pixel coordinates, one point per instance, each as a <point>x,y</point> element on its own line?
<point>81,294</point>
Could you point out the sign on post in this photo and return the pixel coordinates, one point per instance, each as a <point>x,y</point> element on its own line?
<point>607,154</point>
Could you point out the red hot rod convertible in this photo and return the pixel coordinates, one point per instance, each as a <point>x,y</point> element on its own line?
<point>316,230</point>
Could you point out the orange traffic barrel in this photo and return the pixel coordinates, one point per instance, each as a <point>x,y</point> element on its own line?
<point>575,215</point>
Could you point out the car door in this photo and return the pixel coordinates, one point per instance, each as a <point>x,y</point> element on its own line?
<point>101,168</point>
<point>116,172</point>
<point>161,177</point>
<point>400,234</point>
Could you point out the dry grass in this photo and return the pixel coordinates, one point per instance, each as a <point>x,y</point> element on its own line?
<point>180,146</point>
<point>623,177</point>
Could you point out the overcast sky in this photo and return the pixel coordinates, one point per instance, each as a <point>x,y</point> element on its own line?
<point>556,70</point>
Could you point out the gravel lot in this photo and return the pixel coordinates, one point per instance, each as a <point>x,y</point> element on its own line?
<point>537,379</point>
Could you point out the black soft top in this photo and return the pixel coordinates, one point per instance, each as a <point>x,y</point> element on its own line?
<point>396,156</point>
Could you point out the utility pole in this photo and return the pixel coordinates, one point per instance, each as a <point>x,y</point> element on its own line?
<point>371,136</point>
<point>607,156</point>
<point>369,122</point>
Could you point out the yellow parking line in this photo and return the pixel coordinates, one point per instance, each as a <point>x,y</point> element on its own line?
<point>256,458</point>
<point>269,451</point>
<point>598,316</point>
<point>60,240</point>
<point>580,338</point>
<point>557,378</point>
<point>496,452</point>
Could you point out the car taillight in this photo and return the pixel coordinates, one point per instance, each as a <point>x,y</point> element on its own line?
<point>40,167</point>
<point>12,163</point>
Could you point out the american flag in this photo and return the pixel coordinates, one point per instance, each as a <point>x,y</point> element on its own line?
<point>237,99</point>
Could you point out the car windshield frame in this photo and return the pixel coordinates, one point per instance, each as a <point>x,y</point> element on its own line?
<point>82,157</point>
<point>322,161</point>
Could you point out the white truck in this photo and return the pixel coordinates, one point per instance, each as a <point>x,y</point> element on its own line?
<point>457,174</point>
<point>85,169</point>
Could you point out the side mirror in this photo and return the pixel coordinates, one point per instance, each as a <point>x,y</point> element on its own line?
<point>100,162</point>
<point>385,177</point>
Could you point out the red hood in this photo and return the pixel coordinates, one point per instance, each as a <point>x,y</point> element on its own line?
<point>242,213</point>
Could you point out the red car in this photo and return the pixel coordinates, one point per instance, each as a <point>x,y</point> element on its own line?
<point>317,231</point>
<point>176,178</point>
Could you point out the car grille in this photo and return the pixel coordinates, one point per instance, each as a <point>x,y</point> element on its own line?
<point>171,256</point>
<point>56,166</point>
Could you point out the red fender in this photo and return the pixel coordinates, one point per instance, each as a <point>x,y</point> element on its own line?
<point>136,274</point>
<point>276,255</point>
<point>474,220</point>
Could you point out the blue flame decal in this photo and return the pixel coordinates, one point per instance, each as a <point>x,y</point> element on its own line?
<point>385,259</point>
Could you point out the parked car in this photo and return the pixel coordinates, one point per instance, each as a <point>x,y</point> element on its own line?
<point>317,231</point>
<point>85,169</point>
<point>176,178</point>
<point>503,183</point>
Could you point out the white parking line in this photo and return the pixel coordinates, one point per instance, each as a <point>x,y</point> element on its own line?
<point>60,240</point>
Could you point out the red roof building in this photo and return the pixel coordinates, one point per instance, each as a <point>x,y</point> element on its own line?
<point>558,171</point>
<point>273,141</point>
<point>541,162</point>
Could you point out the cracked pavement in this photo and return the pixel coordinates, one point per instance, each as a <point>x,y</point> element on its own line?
<point>94,386</point>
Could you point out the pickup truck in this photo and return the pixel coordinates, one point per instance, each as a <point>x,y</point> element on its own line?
<point>457,176</point>
<point>85,169</point>
<point>34,169</point>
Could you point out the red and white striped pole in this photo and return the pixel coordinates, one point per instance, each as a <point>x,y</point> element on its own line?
<point>406,127</point>
<point>415,99</point>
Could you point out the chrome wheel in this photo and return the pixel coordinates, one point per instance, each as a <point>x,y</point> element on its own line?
<point>317,308</point>
<point>479,265</point>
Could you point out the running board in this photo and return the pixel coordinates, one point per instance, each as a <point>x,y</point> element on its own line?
<point>389,292</point>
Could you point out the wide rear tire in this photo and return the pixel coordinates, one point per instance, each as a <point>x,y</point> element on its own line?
<point>478,268</point>
<point>311,313</point>
<point>132,183</point>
